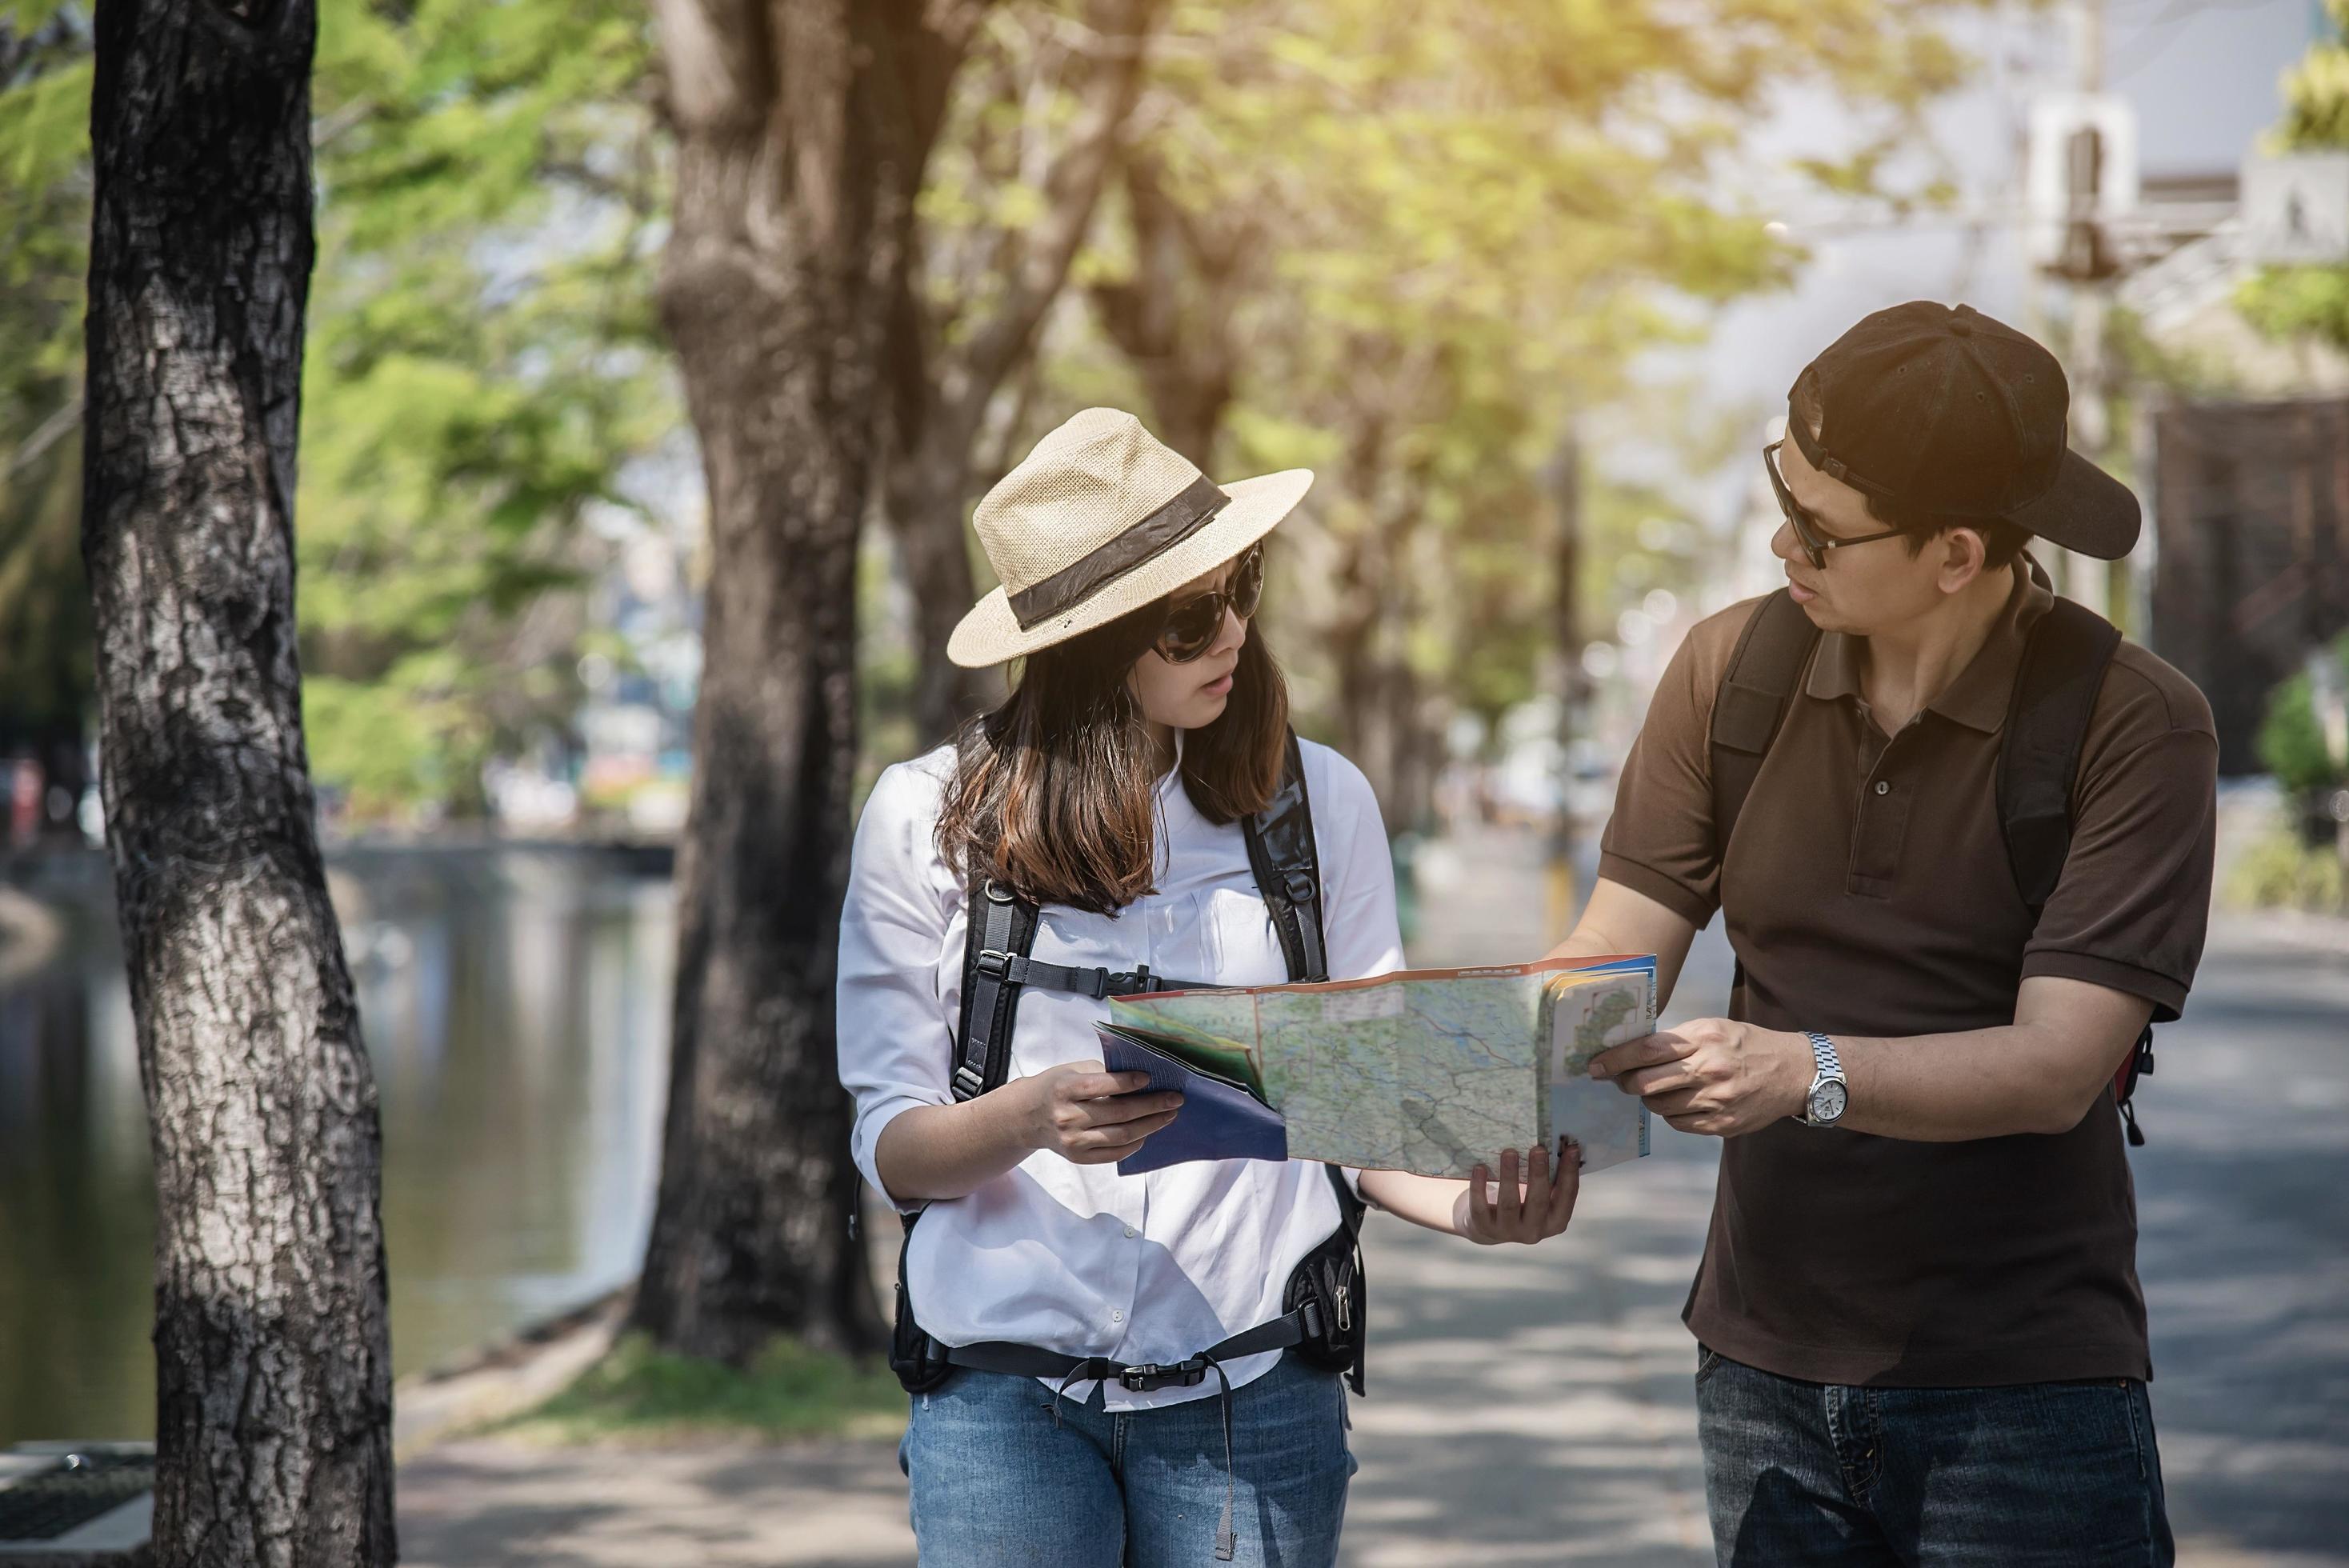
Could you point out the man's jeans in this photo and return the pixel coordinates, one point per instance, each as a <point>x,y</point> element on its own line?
<point>2036,1473</point>
<point>999,1484</point>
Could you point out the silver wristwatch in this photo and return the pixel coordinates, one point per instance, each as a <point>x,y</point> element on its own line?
<point>1828,1094</point>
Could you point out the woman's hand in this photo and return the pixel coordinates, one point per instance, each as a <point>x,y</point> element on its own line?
<point>1527,1212</point>
<point>1087,1115</point>
<point>1530,1211</point>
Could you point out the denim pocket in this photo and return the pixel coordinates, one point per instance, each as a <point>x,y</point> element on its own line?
<point>1708,1361</point>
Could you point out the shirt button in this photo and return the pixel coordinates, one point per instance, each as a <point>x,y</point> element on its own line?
<point>1115,1315</point>
<point>1129,1233</point>
<point>1882,788</point>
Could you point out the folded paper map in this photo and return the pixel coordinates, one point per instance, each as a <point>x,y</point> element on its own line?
<point>1432,1070</point>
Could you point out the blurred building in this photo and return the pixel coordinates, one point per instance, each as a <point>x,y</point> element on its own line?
<point>2249,540</point>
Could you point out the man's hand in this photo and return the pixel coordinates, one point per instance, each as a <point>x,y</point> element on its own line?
<point>1527,1212</point>
<point>1089,1116</point>
<point>1713,1076</point>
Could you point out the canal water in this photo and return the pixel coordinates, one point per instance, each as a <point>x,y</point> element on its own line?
<point>515,1004</point>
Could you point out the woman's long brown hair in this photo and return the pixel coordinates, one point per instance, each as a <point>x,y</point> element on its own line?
<point>1055,792</point>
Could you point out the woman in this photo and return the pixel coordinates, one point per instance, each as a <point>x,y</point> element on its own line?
<point>1108,791</point>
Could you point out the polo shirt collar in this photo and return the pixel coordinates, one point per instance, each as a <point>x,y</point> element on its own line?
<point>1979,697</point>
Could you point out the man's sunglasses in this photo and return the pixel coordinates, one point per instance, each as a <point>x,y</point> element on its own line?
<point>1814,541</point>
<point>1192,626</point>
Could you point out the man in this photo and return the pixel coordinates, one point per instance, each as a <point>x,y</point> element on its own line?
<point>1920,1334</point>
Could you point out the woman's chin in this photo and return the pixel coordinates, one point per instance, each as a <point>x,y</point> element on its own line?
<point>1205,710</point>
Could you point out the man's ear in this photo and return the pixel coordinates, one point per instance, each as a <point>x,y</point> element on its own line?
<point>1963,553</point>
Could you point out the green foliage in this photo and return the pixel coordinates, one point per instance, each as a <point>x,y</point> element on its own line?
<point>45,630</point>
<point>2311,301</point>
<point>2291,741</point>
<point>482,365</point>
<point>2279,871</point>
<point>1431,235</point>
<point>637,1396</point>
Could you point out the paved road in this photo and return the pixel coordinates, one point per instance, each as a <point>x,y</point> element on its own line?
<point>1534,1405</point>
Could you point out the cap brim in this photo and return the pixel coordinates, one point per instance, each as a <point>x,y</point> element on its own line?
<point>2087,510</point>
<point>991,634</point>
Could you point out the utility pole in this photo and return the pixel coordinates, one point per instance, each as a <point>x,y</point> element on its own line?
<point>2088,261</point>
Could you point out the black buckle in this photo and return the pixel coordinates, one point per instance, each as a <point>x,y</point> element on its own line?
<point>1124,983</point>
<point>993,963</point>
<point>1300,887</point>
<point>1150,1375</point>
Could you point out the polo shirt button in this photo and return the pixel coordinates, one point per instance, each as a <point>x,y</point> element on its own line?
<point>1882,788</point>
<point>1129,1233</point>
<point>1115,1315</point>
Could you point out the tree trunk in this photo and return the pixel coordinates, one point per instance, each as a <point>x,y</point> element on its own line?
<point>799,146</point>
<point>927,484</point>
<point>272,1366</point>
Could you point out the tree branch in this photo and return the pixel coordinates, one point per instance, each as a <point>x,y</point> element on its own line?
<point>1072,187</point>
<point>47,434</point>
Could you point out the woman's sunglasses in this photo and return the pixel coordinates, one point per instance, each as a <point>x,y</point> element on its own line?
<point>1815,544</point>
<point>1192,626</point>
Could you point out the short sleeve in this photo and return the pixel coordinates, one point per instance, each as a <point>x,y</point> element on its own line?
<point>2134,904</point>
<point>1360,924</point>
<point>896,1038</point>
<point>1660,841</point>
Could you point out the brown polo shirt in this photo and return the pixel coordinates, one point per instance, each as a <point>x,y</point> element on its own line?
<point>1867,891</point>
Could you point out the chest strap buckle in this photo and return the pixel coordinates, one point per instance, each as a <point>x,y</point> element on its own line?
<point>1147,1376</point>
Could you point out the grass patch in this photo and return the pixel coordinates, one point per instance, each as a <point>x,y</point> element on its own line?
<point>641,1397</point>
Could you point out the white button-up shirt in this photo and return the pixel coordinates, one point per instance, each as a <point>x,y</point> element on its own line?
<point>1078,1258</point>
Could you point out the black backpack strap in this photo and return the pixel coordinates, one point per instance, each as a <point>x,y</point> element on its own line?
<point>2054,697</point>
<point>1751,704</point>
<point>1287,870</point>
<point>1000,929</point>
<point>2056,687</point>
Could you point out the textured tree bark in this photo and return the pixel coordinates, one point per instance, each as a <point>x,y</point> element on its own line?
<point>272,1420</point>
<point>799,137</point>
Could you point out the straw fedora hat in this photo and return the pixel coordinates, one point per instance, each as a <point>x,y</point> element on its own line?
<point>1098,521</point>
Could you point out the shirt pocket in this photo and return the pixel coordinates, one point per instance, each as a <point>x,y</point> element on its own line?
<point>1237,938</point>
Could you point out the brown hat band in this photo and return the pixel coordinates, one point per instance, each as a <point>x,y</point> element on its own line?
<point>1154,535</point>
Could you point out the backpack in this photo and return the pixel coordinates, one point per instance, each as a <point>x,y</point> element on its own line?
<point>1327,1291</point>
<point>2055,688</point>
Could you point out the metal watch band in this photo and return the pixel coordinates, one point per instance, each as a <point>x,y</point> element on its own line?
<point>1827,1068</point>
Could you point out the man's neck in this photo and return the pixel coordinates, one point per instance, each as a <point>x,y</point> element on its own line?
<point>1905,667</point>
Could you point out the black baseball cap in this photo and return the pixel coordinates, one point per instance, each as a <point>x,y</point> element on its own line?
<point>1945,411</point>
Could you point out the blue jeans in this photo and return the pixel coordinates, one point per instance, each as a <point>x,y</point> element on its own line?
<point>2038,1473</point>
<point>997,1481</point>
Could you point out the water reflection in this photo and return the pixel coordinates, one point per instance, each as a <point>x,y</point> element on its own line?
<point>515,1005</point>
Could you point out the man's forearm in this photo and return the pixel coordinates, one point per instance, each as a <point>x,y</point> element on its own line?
<point>2040,1074</point>
<point>1618,921</point>
<point>1983,1083</point>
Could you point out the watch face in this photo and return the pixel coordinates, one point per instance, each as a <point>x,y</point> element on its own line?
<point>1828,1101</point>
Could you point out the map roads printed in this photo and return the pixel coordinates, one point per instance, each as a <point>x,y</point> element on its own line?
<point>1434,1071</point>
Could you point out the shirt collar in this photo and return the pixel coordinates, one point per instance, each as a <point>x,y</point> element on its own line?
<point>1978,698</point>
<point>1173,778</point>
